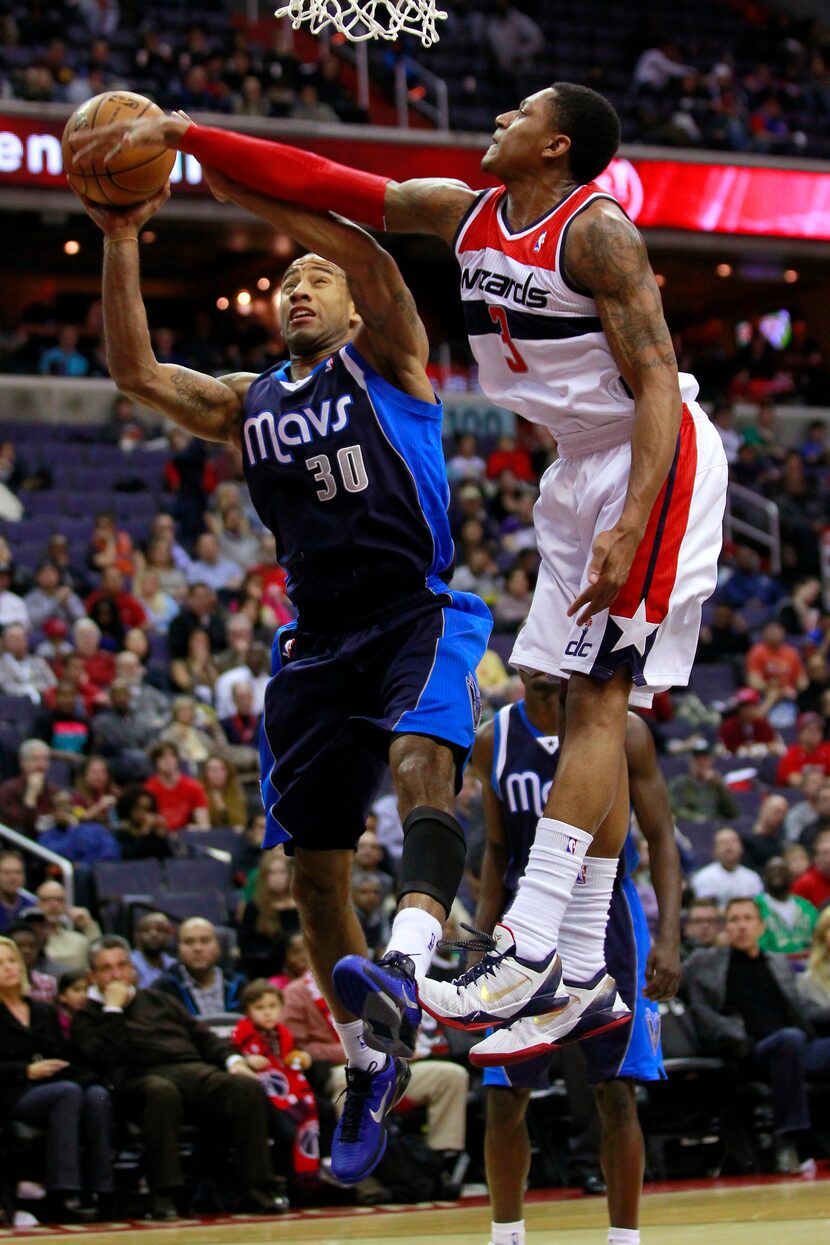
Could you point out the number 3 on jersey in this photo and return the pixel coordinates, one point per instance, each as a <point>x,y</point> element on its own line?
<point>514,360</point>
<point>351,468</point>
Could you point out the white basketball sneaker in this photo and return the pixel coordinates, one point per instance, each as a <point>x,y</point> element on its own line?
<point>500,987</point>
<point>592,1008</point>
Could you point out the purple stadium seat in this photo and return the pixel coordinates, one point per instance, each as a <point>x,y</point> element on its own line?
<point>124,877</point>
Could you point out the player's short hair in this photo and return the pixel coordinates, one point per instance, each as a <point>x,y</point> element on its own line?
<point>258,989</point>
<point>591,123</point>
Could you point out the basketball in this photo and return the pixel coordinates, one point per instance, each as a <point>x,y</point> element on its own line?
<point>133,173</point>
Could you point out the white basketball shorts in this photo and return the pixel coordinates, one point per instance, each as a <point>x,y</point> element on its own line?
<point>653,624</point>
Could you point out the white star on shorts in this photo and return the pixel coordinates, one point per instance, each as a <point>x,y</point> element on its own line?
<point>635,630</point>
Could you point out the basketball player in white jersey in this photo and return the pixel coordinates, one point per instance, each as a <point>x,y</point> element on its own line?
<point>566,323</point>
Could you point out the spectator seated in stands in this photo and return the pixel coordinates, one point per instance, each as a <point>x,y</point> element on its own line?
<point>64,358</point>
<point>199,613</point>
<point>821,812</point>
<point>814,884</point>
<point>151,957</point>
<point>237,543</point>
<point>196,672</point>
<point>52,598</point>
<point>27,798</point>
<point>83,842</point>
<point>747,585</point>
<point>775,667</point>
<point>766,838</point>
<point>727,636</point>
<point>818,683</point>
<point>170,1067</point>
<point>195,732</point>
<point>122,734</point>
<point>94,794</point>
<point>726,878</point>
<point>211,567</point>
<point>295,961</point>
<point>14,898</point>
<point>69,932</point>
<point>242,725</point>
<point>226,800</point>
<point>22,673</point>
<point>702,927</point>
<point>810,750</point>
<point>123,428</point>
<point>99,665</point>
<point>43,1085</point>
<point>141,832</point>
<point>788,919</point>
<point>150,706</point>
<point>181,801</point>
<point>814,983</point>
<point>240,636</point>
<point>159,606</point>
<point>371,856</point>
<point>110,547</point>
<point>271,1051</point>
<point>745,1005</point>
<point>256,671</point>
<point>702,793</point>
<point>269,918</point>
<point>64,728</point>
<point>511,608</point>
<point>197,980</point>
<point>439,1085</point>
<point>72,988</point>
<point>805,813</point>
<point>29,936</point>
<point>367,897</point>
<point>745,730</point>
<point>12,608</point>
<point>130,612</point>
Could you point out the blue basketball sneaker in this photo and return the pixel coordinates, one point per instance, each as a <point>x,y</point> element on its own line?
<point>384,995</point>
<point>360,1136</point>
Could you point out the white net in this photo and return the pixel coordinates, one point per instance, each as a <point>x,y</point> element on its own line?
<point>367,19</point>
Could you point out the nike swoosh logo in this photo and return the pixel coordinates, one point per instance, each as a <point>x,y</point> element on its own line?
<point>546,1017</point>
<point>378,1115</point>
<point>500,994</point>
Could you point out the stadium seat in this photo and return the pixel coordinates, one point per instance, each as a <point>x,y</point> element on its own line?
<point>115,878</point>
<point>200,874</point>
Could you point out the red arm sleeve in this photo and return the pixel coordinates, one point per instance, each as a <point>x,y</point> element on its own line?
<point>289,174</point>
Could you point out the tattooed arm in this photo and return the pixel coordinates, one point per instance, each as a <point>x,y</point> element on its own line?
<point>606,255</point>
<point>433,205</point>
<point>390,334</point>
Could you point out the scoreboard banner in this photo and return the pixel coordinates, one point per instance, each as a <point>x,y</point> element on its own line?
<point>691,195</point>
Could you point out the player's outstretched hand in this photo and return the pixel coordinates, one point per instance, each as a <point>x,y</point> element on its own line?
<point>662,972</point>
<point>611,559</point>
<point>125,221</point>
<point>106,140</point>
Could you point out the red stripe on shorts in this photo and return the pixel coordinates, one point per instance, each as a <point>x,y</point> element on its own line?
<point>654,569</point>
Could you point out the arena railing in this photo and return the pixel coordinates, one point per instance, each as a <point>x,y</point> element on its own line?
<point>27,847</point>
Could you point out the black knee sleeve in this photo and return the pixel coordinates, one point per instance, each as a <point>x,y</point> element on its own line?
<point>433,856</point>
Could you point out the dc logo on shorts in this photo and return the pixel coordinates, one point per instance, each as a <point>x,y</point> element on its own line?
<point>475,700</point>
<point>570,847</point>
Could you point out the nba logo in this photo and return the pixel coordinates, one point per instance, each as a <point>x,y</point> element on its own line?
<point>570,847</point>
<point>540,242</point>
<point>582,876</point>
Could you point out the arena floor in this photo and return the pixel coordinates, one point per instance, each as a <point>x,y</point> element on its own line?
<point>706,1213</point>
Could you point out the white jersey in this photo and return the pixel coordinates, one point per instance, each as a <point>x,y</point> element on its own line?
<point>538,340</point>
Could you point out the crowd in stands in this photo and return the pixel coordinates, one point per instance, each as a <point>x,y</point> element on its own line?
<point>738,77</point>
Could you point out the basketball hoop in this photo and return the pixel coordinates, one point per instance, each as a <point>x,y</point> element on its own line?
<point>367,19</point>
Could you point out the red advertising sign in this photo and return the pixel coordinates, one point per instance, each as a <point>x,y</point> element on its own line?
<point>669,194</point>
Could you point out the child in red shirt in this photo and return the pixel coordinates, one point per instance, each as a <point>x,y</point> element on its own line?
<point>271,1052</point>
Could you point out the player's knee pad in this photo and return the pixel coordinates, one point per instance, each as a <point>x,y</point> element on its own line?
<point>434,851</point>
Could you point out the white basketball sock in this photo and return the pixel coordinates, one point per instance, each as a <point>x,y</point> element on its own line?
<point>582,932</point>
<point>358,1054</point>
<point>508,1233</point>
<point>415,933</point>
<point>553,864</point>
<point>623,1236</point>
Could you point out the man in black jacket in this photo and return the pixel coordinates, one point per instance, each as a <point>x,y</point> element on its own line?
<point>167,1067</point>
<point>197,980</point>
<point>745,1005</point>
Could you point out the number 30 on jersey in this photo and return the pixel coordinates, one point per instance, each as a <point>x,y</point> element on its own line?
<point>350,468</point>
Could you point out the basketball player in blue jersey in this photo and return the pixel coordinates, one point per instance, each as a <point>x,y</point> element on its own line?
<point>516,756</point>
<point>566,322</point>
<point>343,457</point>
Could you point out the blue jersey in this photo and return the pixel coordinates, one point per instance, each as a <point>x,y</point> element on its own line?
<point>524,765</point>
<point>348,473</point>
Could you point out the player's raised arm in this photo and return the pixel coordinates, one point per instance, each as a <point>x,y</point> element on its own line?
<point>204,405</point>
<point>286,173</point>
<point>650,800</point>
<point>606,255</point>
<point>391,335</point>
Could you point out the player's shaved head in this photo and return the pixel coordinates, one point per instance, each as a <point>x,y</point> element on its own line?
<point>316,308</point>
<point>310,260</point>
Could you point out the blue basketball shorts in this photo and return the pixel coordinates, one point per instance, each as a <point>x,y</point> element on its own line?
<point>335,703</point>
<point>631,1050</point>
